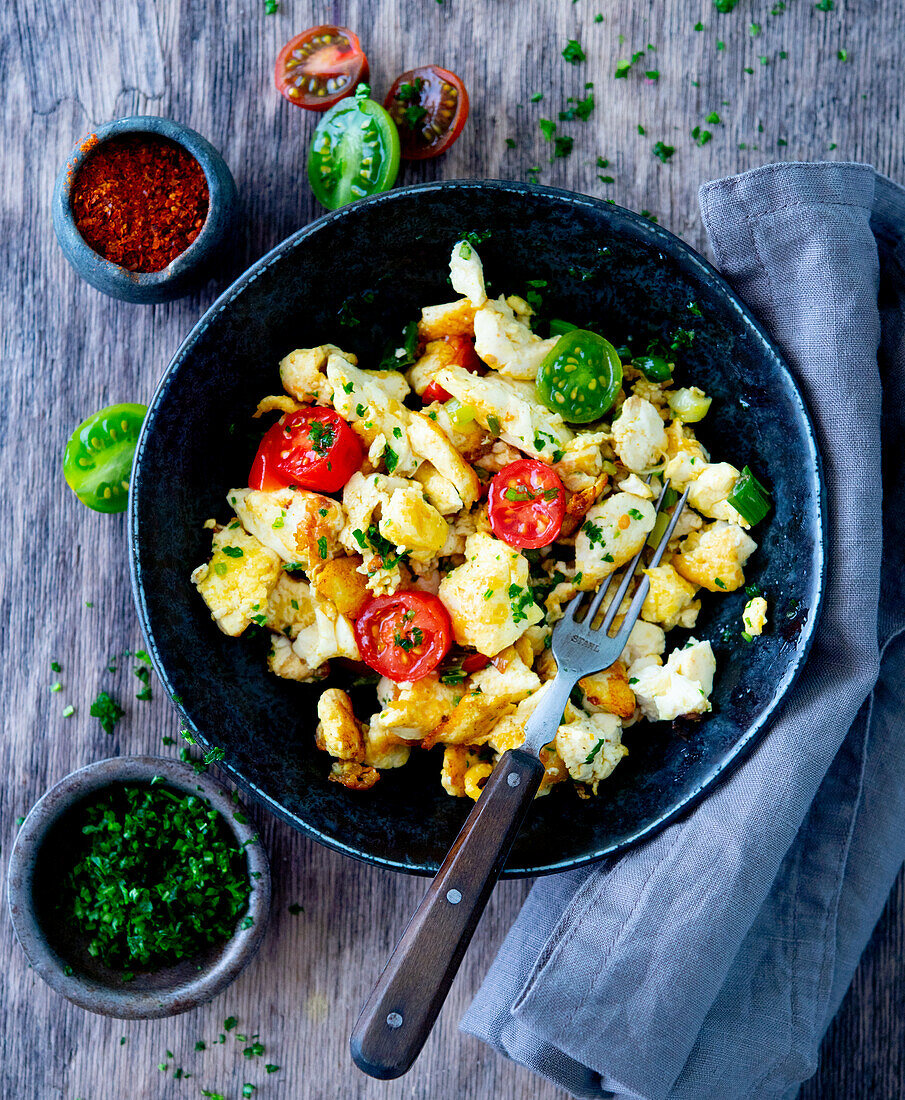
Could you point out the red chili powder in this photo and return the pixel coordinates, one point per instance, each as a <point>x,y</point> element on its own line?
<point>140,200</point>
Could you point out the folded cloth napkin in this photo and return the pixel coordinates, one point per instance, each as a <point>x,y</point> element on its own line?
<point>709,961</point>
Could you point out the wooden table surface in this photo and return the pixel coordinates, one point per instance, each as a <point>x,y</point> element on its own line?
<point>782,92</point>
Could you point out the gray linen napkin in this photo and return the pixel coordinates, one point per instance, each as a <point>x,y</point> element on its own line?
<point>709,961</point>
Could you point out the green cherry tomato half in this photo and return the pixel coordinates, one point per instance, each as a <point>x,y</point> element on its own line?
<point>354,152</point>
<point>580,377</point>
<point>98,457</point>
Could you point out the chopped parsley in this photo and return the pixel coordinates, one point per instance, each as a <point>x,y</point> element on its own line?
<point>322,436</point>
<point>574,54</point>
<point>233,551</point>
<point>390,458</point>
<point>547,128</point>
<point>384,549</point>
<point>662,151</point>
<point>521,601</point>
<point>701,137</point>
<point>322,547</point>
<point>156,878</point>
<point>594,533</point>
<point>596,749</point>
<point>719,582</point>
<point>106,708</point>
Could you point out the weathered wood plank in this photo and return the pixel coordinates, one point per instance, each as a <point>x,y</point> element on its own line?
<point>66,350</point>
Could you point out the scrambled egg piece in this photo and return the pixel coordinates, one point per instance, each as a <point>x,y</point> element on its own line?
<point>488,598</point>
<point>710,491</point>
<point>513,410</point>
<point>302,373</point>
<point>236,583</point>
<point>713,558</point>
<point>448,319</point>
<point>507,344</point>
<point>608,692</point>
<point>755,615</point>
<point>670,595</point>
<point>613,532</point>
<point>286,664</point>
<point>685,457</point>
<point>339,732</point>
<point>639,437</point>
<point>411,711</point>
<point>299,525</point>
<point>581,464</point>
<point>290,606</point>
<point>406,519</point>
<point>330,635</point>
<point>466,273</point>
<point>590,745</point>
<point>645,640</point>
<point>681,686</point>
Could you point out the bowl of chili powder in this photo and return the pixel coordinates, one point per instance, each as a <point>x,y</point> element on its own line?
<point>141,206</point>
<point>138,887</point>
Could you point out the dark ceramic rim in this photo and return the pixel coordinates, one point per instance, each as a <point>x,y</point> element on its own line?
<point>691,262</point>
<point>123,1002</point>
<point>190,140</point>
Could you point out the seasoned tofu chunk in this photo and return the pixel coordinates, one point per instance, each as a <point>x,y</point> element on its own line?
<point>669,596</point>
<point>302,373</point>
<point>613,532</point>
<point>681,686</point>
<point>590,745</point>
<point>507,344</point>
<point>339,732</point>
<point>714,558</point>
<point>639,437</point>
<point>237,581</point>
<point>330,635</point>
<point>448,319</point>
<point>466,273</point>
<point>290,606</point>
<point>488,597</point>
<point>299,525</point>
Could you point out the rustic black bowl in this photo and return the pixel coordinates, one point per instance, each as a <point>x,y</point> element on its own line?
<point>353,278</point>
<point>43,848</point>
<point>177,278</point>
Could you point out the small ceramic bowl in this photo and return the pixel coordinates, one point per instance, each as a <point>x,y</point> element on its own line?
<point>178,277</point>
<point>61,960</point>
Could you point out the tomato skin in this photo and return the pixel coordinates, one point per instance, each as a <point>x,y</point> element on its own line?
<point>98,458</point>
<point>580,377</point>
<point>464,355</point>
<point>419,619</point>
<point>320,458</point>
<point>354,152</point>
<point>534,518</point>
<point>430,107</point>
<point>341,60</point>
<point>435,392</point>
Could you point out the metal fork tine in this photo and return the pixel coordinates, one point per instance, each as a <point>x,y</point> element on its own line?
<point>613,609</point>
<point>634,609</point>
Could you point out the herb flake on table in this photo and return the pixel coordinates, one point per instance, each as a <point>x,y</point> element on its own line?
<point>573,52</point>
<point>662,151</point>
<point>107,710</point>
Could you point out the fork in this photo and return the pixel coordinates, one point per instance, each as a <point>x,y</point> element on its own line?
<point>406,1000</point>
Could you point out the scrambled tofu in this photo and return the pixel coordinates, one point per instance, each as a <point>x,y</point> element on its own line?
<point>488,597</point>
<point>237,581</point>
<point>414,517</point>
<point>681,686</point>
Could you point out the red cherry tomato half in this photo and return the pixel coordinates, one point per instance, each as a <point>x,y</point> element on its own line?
<point>405,636</point>
<point>312,448</point>
<point>464,355</point>
<point>320,66</point>
<point>429,105</point>
<point>527,503</point>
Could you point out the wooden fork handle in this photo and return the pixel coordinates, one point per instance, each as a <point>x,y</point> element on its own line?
<point>404,1004</point>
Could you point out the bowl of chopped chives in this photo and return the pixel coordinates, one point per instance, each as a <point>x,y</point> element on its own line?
<point>138,888</point>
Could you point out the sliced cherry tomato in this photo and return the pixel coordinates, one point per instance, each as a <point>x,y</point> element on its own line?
<point>354,151</point>
<point>313,448</point>
<point>404,636</point>
<point>464,355</point>
<point>97,461</point>
<point>527,503</point>
<point>430,107</point>
<point>320,66</point>
<point>580,377</point>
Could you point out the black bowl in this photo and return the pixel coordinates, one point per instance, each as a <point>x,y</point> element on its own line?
<point>352,278</point>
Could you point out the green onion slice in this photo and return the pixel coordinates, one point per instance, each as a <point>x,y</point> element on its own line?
<point>749,498</point>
